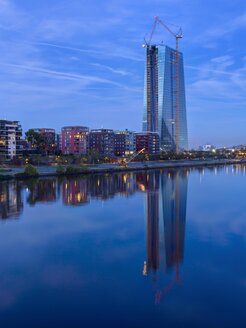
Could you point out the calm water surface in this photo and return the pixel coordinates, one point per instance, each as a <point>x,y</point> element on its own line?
<point>156,249</point>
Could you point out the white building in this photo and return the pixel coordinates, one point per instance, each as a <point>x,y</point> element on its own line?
<point>10,136</point>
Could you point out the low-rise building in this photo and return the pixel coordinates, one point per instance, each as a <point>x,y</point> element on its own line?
<point>102,141</point>
<point>208,147</point>
<point>74,140</point>
<point>149,141</point>
<point>124,143</point>
<point>10,136</point>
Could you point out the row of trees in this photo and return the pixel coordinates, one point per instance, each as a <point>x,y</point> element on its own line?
<point>43,144</point>
<point>93,157</point>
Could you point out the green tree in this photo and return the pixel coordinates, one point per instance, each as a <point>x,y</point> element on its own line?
<point>93,156</point>
<point>37,141</point>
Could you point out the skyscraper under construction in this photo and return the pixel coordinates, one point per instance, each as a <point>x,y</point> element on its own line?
<point>164,94</point>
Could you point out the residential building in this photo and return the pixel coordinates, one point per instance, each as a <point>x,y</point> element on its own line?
<point>149,141</point>
<point>10,136</point>
<point>124,143</point>
<point>74,140</point>
<point>160,97</point>
<point>102,141</point>
<point>208,147</point>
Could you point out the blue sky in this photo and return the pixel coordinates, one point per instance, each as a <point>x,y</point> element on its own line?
<point>67,62</point>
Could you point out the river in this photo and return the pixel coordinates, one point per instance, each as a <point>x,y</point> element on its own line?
<point>138,249</point>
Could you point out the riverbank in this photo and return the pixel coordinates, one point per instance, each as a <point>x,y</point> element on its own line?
<point>46,171</point>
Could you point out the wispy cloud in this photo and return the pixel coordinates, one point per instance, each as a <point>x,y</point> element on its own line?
<point>113,70</point>
<point>219,31</point>
<point>63,75</point>
<point>88,54</point>
<point>91,51</point>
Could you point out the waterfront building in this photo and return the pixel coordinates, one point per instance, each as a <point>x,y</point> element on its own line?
<point>24,145</point>
<point>74,140</point>
<point>208,147</point>
<point>10,136</point>
<point>124,143</point>
<point>149,141</point>
<point>160,97</point>
<point>102,141</point>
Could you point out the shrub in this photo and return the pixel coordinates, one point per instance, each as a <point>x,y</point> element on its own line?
<point>83,169</point>
<point>60,170</point>
<point>30,170</point>
<point>75,170</point>
<point>72,170</point>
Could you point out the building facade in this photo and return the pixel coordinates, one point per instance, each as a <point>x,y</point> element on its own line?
<point>74,140</point>
<point>149,141</point>
<point>10,136</point>
<point>124,143</point>
<point>160,99</point>
<point>102,141</point>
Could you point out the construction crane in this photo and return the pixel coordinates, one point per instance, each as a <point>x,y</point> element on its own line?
<point>125,161</point>
<point>177,36</point>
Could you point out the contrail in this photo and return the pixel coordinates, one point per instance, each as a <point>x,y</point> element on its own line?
<point>63,75</point>
<point>70,76</point>
<point>89,51</point>
<point>212,70</point>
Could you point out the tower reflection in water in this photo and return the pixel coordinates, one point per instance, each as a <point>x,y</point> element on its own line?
<point>165,216</point>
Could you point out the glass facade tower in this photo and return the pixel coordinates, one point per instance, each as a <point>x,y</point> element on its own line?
<point>160,97</point>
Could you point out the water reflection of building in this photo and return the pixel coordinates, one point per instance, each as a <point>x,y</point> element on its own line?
<point>150,183</point>
<point>11,203</point>
<point>174,198</point>
<point>165,214</point>
<point>106,186</point>
<point>41,190</point>
<point>75,191</point>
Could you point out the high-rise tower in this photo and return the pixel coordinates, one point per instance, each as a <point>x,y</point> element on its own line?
<point>164,94</point>
<point>164,98</point>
